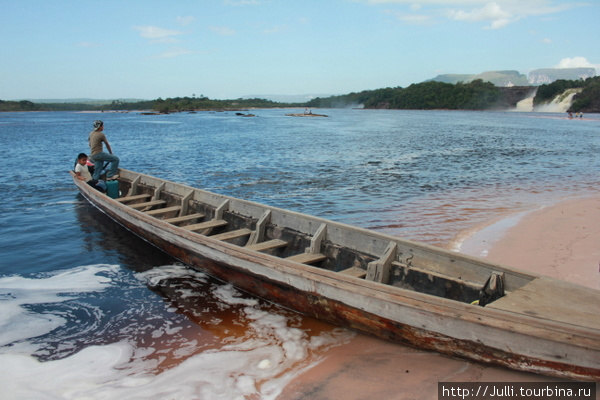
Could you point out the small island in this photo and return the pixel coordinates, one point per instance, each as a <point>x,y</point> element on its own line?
<point>307,113</point>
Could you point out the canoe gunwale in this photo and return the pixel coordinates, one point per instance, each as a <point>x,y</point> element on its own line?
<point>419,303</point>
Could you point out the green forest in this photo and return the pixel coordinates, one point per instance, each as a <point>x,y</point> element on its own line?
<point>476,95</point>
<point>431,95</point>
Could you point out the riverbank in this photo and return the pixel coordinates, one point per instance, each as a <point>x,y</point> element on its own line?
<point>559,240</point>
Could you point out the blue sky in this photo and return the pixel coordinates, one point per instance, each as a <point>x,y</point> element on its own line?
<point>226,49</point>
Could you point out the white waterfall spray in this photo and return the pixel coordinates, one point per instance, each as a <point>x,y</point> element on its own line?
<point>526,105</point>
<point>560,103</point>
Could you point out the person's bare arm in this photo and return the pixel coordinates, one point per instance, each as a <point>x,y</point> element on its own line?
<point>81,178</point>
<point>108,145</point>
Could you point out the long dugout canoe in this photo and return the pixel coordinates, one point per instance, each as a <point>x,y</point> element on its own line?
<point>382,285</point>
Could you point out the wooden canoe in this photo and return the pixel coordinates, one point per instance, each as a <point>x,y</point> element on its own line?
<point>379,284</point>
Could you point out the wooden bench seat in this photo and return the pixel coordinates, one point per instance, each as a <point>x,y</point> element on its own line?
<point>152,203</point>
<point>165,210</point>
<point>307,258</point>
<point>133,198</point>
<point>184,218</point>
<point>232,234</point>
<point>213,223</point>
<point>355,272</point>
<point>268,245</point>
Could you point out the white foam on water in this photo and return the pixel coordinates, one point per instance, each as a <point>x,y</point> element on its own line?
<point>258,365</point>
<point>17,323</point>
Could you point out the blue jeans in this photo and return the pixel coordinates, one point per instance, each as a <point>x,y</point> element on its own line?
<point>99,159</point>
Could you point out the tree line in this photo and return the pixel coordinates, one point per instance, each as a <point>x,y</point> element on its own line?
<point>168,105</point>
<point>475,95</point>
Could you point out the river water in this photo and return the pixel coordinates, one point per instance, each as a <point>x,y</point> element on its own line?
<point>87,310</point>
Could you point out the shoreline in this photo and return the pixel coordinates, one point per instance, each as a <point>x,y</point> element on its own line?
<point>558,240</point>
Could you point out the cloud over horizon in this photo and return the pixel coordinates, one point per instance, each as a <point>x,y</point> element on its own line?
<point>576,62</point>
<point>495,14</point>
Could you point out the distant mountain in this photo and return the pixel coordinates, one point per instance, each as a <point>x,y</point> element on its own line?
<point>549,75</point>
<point>515,78</point>
<point>498,78</point>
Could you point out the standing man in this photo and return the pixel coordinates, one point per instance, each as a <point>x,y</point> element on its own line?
<point>98,156</point>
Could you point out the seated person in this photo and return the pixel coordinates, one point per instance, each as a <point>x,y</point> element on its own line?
<point>83,173</point>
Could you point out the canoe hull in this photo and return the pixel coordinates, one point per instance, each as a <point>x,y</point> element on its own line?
<point>368,307</point>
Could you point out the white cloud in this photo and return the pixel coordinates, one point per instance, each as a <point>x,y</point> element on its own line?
<point>157,35</point>
<point>575,62</point>
<point>495,14</point>
<point>491,12</point>
<point>547,40</point>
<point>222,30</point>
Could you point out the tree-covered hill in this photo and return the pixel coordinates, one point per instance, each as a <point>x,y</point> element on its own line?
<point>18,106</point>
<point>476,95</point>
<point>588,100</point>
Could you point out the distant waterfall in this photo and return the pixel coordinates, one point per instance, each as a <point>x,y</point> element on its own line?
<point>560,103</point>
<point>526,105</point>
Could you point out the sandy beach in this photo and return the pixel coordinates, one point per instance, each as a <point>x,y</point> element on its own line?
<point>561,241</point>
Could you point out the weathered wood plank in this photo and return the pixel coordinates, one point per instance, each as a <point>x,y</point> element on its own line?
<point>158,191</point>
<point>185,202</point>
<point>355,272</point>
<point>268,245</point>
<point>315,242</point>
<point>152,203</point>
<point>259,232</point>
<point>165,210</point>
<point>184,218</point>
<point>379,271</point>
<point>307,258</point>
<point>232,234</point>
<point>133,198</point>
<point>213,223</point>
<point>133,188</point>
<point>539,299</point>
